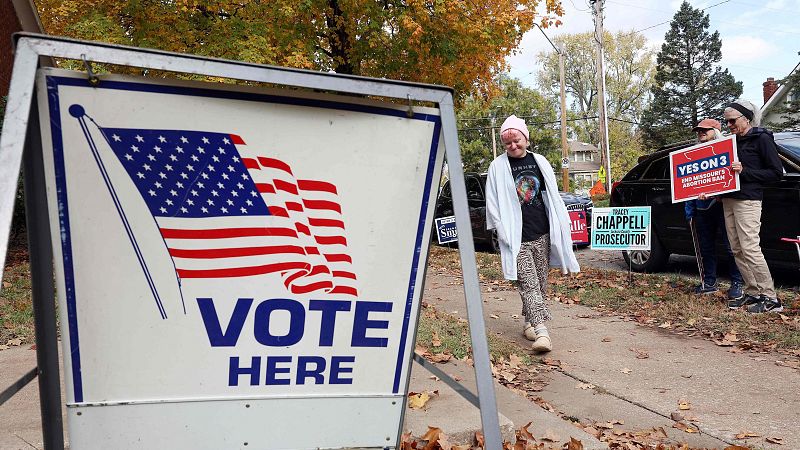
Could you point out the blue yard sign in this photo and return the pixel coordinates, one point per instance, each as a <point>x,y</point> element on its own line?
<point>446,230</point>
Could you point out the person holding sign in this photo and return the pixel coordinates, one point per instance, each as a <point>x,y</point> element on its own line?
<point>706,216</point>
<point>533,227</point>
<point>758,164</point>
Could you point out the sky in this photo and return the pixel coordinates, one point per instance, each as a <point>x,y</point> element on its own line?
<point>759,39</point>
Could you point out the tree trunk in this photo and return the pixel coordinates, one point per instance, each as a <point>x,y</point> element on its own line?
<point>339,39</point>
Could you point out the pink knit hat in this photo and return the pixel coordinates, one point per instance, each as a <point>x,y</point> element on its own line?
<point>515,123</point>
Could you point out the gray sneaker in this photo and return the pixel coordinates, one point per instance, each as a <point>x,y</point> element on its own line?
<point>765,304</point>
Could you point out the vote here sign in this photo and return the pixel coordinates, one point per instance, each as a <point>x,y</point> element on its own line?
<point>703,169</point>
<point>235,266</point>
<point>621,228</point>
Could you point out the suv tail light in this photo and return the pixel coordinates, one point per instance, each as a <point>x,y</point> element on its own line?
<point>614,186</point>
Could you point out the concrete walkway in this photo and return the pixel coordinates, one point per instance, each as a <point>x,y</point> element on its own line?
<point>728,393</point>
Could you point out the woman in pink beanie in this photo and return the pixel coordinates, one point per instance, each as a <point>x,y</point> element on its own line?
<point>532,224</point>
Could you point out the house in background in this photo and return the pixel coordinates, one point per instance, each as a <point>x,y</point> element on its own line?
<point>776,96</point>
<point>584,163</point>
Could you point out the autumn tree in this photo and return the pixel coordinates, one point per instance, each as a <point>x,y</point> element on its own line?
<point>630,67</point>
<point>475,124</point>
<point>689,83</point>
<point>459,43</point>
<point>787,114</point>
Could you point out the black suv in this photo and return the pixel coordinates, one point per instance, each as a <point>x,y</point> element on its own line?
<point>476,186</point>
<point>647,184</point>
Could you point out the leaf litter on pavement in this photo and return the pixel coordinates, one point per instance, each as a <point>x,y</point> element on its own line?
<point>654,301</point>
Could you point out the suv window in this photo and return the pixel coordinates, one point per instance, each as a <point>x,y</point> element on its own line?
<point>474,191</point>
<point>658,170</point>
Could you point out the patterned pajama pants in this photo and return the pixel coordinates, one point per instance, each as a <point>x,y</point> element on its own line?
<point>533,263</point>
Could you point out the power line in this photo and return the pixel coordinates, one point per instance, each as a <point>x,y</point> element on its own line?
<point>668,21</point>
<point>541,123</point>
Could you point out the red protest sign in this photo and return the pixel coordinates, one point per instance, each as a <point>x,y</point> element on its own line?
<point>703,169</point>
<point>577,225</point>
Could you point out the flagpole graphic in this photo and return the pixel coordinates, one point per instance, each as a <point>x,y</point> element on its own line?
<point>226,210</point>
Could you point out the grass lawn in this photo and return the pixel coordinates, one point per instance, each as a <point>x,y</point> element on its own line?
<point>663,301</point>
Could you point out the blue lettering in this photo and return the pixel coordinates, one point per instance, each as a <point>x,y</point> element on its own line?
<point>273,369</point>
<point>296,322</point>
<point>337,369</point>
<point>361,324</point>
<point>304,372</point>
<point>234,370</point>
<point>213,327</point>
<point>329,309</point>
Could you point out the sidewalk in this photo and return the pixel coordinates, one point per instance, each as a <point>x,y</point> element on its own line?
<point>640,375</point>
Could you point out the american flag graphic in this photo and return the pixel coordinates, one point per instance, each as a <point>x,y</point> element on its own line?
<point>225,210</point>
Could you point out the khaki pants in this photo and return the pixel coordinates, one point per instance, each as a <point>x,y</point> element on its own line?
<point>743,223</point>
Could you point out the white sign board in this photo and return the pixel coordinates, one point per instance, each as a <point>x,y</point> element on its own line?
<point>236,268</point>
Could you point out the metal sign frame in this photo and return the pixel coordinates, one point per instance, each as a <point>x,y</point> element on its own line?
<point>20,144</point>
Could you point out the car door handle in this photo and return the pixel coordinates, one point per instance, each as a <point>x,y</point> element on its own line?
<point>659,189</point>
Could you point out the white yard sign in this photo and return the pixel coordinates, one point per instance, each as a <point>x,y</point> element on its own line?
<point>236,268</point>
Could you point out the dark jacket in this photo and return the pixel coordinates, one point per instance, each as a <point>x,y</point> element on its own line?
<point>760,163</point>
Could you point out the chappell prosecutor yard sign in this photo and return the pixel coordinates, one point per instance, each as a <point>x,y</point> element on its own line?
<point>235,266</point>
<point>703,169</point>
<point>621,228</point>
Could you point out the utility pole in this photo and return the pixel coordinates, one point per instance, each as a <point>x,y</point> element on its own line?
<point>597,11</point>
<point>494,138</point>
<point>564,144</point>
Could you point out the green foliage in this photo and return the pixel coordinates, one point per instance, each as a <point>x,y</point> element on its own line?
<point>475,124</point>
<point>689,84</point>
<point>789,112</point>
<point>458,43</point>
<point>629,67</point>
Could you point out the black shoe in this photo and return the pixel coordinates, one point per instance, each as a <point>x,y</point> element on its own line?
<point>701,289</point>
<point>743,301</point>
<point>765,304</point>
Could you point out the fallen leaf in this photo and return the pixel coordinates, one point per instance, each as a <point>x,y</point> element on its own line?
<point>435,341</point>
<point>508,376</point>
<point>685,428</point>
<point>774,440</point>
<point>574,444</point>
<point>552,362</point>
<point>514,361</point>
<point>4,347</point>
<point>434,378</point>
<point>626,371</point>
<point>736,447</point>
<point>605,339</point>
<point>6,284</point>
<point>550,435</point>
<point>525,433</point>
<point>418,400</point>
<point>684,405</point>
<point>666,325</point>
<point>747,435</point>
<point>494,316</point>
<point>479,439</point>
<point>585,386</point>
<point>440,357</point>
<point>676,416</point>
<point>431,436</point>
<point>14,342</point>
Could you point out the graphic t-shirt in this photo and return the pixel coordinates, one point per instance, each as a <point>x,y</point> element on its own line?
<point>530,185</point>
